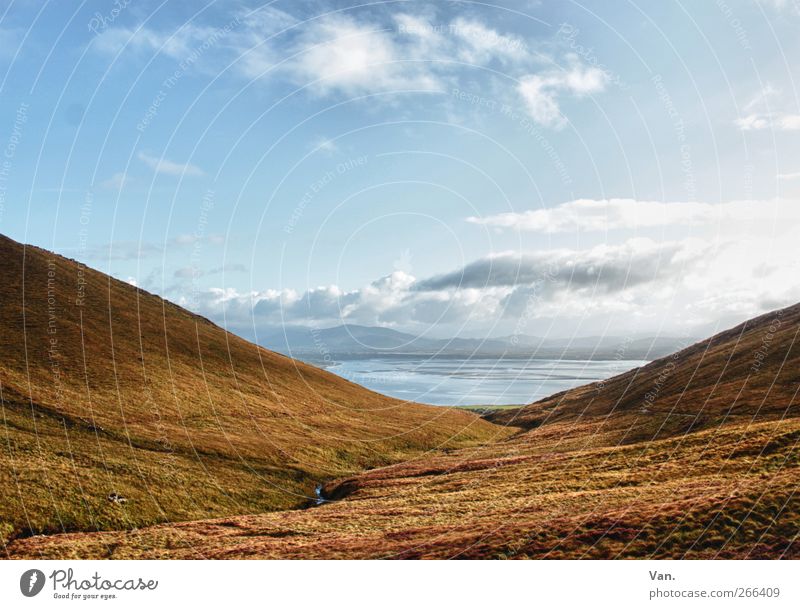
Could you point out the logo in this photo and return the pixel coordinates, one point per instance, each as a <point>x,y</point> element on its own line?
<point>31,582</point>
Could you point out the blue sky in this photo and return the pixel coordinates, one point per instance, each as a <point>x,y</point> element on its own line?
<point>445,168</point>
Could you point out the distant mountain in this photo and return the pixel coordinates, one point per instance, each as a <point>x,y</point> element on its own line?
<point>342,339</point>
<point>350,340</point>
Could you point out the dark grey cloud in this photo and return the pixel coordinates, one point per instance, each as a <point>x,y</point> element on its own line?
<point>607,268</point>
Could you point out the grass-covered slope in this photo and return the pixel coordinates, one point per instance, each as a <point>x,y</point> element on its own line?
<point>108,389</point>
<point>749,372</point>
<point>707,468</point>
<point>731,493</point>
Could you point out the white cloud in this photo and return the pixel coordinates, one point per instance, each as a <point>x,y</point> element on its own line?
<point>629,214</point>
<point>769,94</point>
<point>340,54</point>
<point>176,44</point>
<point>167,167</point>
<point>541,92</point>
<point>761,112</point>
<point>777,122</point>
<point>480,44</point>
<point>348,55</point>
<point>116,181</point>
<point>326,145</point>
<point>690,280</point>
<point>791,6</point>
<point>475,292</point>
<point>789,176</point>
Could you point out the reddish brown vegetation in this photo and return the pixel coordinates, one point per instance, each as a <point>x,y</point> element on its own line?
<point>693,456</point>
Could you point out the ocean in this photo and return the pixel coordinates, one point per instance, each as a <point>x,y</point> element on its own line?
<point>451,381</point>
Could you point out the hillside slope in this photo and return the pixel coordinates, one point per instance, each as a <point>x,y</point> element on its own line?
<point>709,472</point>
<point>120,409</point>
<point>745,373</point>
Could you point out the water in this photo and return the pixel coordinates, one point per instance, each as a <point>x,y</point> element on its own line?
<point>461,381</point>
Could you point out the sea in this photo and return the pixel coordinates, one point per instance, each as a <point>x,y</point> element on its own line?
<point>474,381</point>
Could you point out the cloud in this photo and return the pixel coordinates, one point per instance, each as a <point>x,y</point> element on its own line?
<point>124,250</point>
<point>777,122</point>
<point>167,167</point>
<point>541,92</point>
<point>481,44</point>
<point>790,6</point>
<point>176,44</point>
<point>138,250</point>
<point>605,267</point>
<point>613,214</point>
<point>194,272</point>
<point>480,292</point>
<point>761,113</point>
<point>116,181</point>
<point>603,288</point>
<point>326,145</point>
<point>789,176</point>
<point>341,54</point>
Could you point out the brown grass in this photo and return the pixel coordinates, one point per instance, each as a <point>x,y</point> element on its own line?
<point>140,397</point>
<point>715,493</point>
<point>692,456</point>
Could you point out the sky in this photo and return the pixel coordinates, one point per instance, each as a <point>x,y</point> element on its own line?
<point>443,168</point>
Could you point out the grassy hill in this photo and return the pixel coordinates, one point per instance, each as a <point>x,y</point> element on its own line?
<point>120,409</point>
<point>693,456</point>
<point>748,373</point>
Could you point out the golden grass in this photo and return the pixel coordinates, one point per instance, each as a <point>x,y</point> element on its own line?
<point>692,456</point>
<point>127,393</point>
<point>728,492</point>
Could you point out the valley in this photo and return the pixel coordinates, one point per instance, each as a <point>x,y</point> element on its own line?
<point>217,446</point>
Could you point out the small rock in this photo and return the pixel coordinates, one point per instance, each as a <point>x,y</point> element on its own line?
<point>117,498</point>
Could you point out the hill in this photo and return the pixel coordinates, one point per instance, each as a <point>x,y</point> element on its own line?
<point>121,409</point>
<point>745,373</point>
<point>692,456</point>
<point>350,340</point>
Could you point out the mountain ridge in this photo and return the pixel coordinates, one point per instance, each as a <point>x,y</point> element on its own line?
<point>315,344</point>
